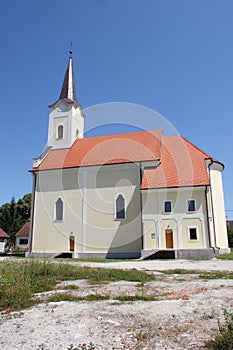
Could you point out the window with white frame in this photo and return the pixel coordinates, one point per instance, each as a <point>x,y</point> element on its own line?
<point>191,205</point>
<point>60,132</point>
<point>167,207</point>
<point>120,207</point>
<point>59,208</point>
<point>193,234</point>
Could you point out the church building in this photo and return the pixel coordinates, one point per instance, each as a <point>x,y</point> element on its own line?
<point>132,195</point>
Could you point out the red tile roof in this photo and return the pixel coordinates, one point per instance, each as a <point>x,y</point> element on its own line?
<point>3,234</point>
<point>110,149</point>
<point>24,231</point>
<point>183,164</point>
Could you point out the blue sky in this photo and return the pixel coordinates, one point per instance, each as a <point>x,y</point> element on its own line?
<point>173,56</point>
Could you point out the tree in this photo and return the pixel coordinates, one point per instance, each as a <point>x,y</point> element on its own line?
<point>14,215</point>
<point>230,237</point>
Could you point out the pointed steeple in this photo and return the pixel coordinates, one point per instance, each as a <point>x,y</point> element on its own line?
<point>68,90</point>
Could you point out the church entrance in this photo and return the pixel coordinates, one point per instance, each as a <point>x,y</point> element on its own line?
<point>169,238</point>
<point>71,243</point>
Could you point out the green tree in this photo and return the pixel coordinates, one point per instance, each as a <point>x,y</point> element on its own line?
<point>14,215</point>
<point>230,237</point>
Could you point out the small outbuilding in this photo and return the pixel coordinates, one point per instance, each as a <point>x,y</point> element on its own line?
<point>3,239</point>
<point>22,237</point>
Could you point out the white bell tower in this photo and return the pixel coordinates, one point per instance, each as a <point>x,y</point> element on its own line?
<point>66,119</point>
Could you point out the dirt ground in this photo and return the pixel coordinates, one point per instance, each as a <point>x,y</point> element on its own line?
<point>187,312</point>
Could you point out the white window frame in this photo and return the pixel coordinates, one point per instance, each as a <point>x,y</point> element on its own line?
<point>115,207</point>
<point>167,212</point>
<point>57,133</point>
<point>193,240</point>
<point>55,210</point>
<point>187,205</point>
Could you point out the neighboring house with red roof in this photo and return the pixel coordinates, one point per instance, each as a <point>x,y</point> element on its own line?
<point>124,195</point>
<point>22,236</point>
<point>3,240</point>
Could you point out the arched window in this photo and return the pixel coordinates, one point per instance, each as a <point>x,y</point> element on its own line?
<point>120,207</point>
<point>60,130</point>
<point>59,210</point>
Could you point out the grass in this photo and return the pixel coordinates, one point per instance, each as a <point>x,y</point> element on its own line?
<point>181,272</point>
<point>136,297</point>
<point>206,275</point>
<point>70,287</point>
<point>69,297</point>
<point>226,256</point>
<point>19,280</point>
<point>223,341</point>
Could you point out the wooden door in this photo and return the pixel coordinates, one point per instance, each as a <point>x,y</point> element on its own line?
<point>71,243</point>
<point>169,238</point>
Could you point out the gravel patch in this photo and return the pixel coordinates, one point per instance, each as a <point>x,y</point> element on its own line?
<point>187,313</point>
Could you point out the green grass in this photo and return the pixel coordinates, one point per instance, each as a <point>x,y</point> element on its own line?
<point>57,297</point>
<point>206,275</point>
<point>227,256</point>
<point>223,341</point>
<point>136,297</point>
<point>215,275</point>
<point>70,287</point>
<point>180,272</point>
<point>20,279</point>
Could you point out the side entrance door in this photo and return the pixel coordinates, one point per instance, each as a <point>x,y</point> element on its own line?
<point>169,238</point>
<point>71,243</point>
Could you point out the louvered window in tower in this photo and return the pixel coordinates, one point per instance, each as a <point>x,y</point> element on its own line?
<point>60,131</point>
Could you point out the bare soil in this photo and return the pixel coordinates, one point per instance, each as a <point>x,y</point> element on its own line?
<point>188,311</point>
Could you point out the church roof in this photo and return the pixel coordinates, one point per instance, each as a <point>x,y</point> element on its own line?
<point>3,234</point>
<point>180,162</point>
<point>110,149</point>
<point>24,231</point>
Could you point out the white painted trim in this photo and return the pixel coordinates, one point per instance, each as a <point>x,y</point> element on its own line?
<point>180,237</point>
<point>115,208</point>
<point>91,168</point>
<point>204,233</point>
<point>84,213</point>
<point>197,232</point>
<point>177,189</point>
<point>149,164</point>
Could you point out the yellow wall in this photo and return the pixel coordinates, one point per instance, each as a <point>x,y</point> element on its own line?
<point>179,219</point>
<point>217,197</point>
<point>100,233</point>
<point>149,229</point>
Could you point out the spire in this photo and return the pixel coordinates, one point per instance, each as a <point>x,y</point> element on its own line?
<point>68,90</point>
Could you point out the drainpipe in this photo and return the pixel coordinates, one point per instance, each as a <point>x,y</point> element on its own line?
<point>142,236</point>
<point>207,215</point>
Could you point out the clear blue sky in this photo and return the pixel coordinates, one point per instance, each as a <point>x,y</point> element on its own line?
<point>174,56</point>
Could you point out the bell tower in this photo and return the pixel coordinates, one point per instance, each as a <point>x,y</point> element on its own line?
<point>66,119</point>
